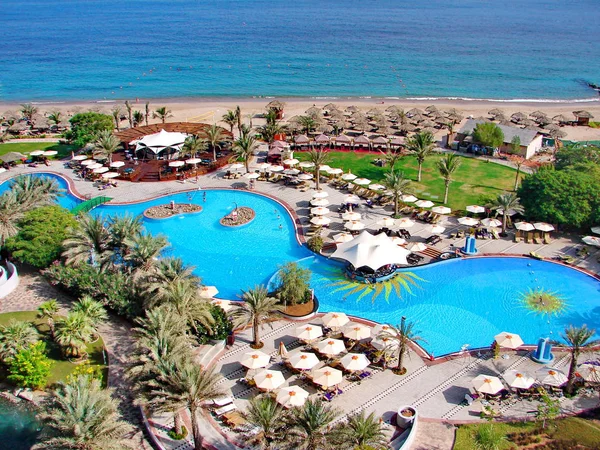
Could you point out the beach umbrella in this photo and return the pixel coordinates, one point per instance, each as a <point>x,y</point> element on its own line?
<point>510,212</point>
<point>252,175</point>
<point>407,127</point>
<point>551,376</point>
<point>262,166</point>
<point>405,222</point>
<point>291,172</point>
<point>386,222</point>
<point>508,340</point>
<point>276,168</point>
<point>352,108</point>
<point>50,153</point>
<point>348,177</point>
<point>78,157</point>
<point>291,396</point>
<point>225,305</point>
<point>398,240</point>
<point>351,216</point>
<point>356,331</point>
<point>355,361</point>
<point>468,221</point>
<point>381,328</point>
<point>327,376</point>
<point>351,198</point>
<point>518,379</point>
<point>109,175</point>
<point>518,116</point>
<point>305,176</point>
<point>376,187</point>
<point>424,204</point>
<point>88,162</point>
<point>94,165</point>
<point>269,380</point>
<point>489,222</point>
<point>39,153</point>
<point>342,237</point>
<point>319,211</point>
<point>117,164</point>
<point>495,112</point>
<point>542,226</point>
<point>384,343</point>
<point>441,210</point>
<point>524,226</point>
<point>319,202</point>
<point>335,319</point>
<point>561,118</point>
<point>592,240</point>
<point>589,372</point>
<point>362,181</point>
<point>101,170</point>
<point>309,332</point>
<point>437,229</point>
<point>414,112</point>
<point>283,352</point>
<point>290,162</point>
<point>320,220</point>
<point>306,164</point>
<point>407,198</point>
<point>487,384</point>
<point>320,194</point>
<point>193,161</point>
<point>323,128</point>
<point>354,226</point>
<point>303,361</point>
<point>417,247</point>
<point>255,360</point>
<point>236,166</point>
<point>324,168</point>
<point>208,291</point>
<point>335,171</point>
<point>596,230</point>
<point>331,347</point>
<point>476,209</point>
<point>176,163</point>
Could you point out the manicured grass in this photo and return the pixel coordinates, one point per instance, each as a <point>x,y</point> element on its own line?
<point>474,178</point>
<point>61,366</point>
<point>27,147</point>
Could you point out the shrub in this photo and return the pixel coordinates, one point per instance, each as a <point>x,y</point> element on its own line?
<point>178,436</point>
<point>220,329</point>
<point>85,127</point>
<point>294,283</point>
<point>30,367</point>
<point>87,369</point>
<point>315,244</point>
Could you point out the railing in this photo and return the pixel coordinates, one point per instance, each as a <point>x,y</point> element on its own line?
<point>88,205</point>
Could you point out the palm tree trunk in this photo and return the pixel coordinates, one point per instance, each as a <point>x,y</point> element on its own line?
<point>51,327</point>
<point>396,205</point>
<point>572,369</point>
<point>504,222</point>
<point>163,118</point>
<point>214,152</point>
<point>198,440</point>
<point>178,422</point>
<point>317,171</point>
<point>419,174</point>
<point>446,192</point>
<point>517,178</point>
<point>400,356</point>
<point>247,163</point>
<point>256,332</point>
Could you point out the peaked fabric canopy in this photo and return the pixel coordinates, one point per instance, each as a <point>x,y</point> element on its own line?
<point>371,251</point>
<point>159,141</point>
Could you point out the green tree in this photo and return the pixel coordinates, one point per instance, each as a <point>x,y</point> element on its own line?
<point>488,134</point>
<point>576,155</point>
<point>72,333</point>
<point>129,110</point>
<point>116,115</point>
<point>238,116</point>
<point>401,336</point>
<point>82,415</point>
<point>307,123</point>
<point>55,117</point>
<point>318,157</point>
<point>92,310</point>
<point>363,432</point>
<point>146,112</point>
<point>268,416</point>
<point>28,111</point>
<point>489,437</point>
<point>294,283</point>
<point>85,127</point>
<point>88,242</point>
<point>309,427</point>
<point>163,113</point>
<point>395,182</point>
<point>504,203</point>
<point>40,236</point>
<point>219,329</point>
<point>11,211</point>
<point>447,166</point>
<point>230,119</point>
<point>122,230</point>
<point>421,146</point>
<point>138,118</point>
<point>391,157</point>
<point>268,131</point>
<point>47,310</point>
<point>548,409</point>
<point>143,251</point>
<point>214,135</point>
<point>14,337</point>
<point>166,272</point>
<point>578,338</point>
<point>194,145</point>
<point>518,161</point>
<point>106,144</point>
<point>243,149</point>
<point>33,192</point>
<point>30,367</point>
<point>256,309</point>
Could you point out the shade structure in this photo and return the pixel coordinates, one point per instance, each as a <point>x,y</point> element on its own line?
<point>305,176</point>
<point>551,376</point>
<point>324,168</point>
<point>441,210</point>
<point>109,175</point>
<point>468,221</point>
<point>88,162</point>
<point>524,226</point>
<point>322,139</point>
<point>335,171</point>
<point>335,319</point>
<point>508,340</point>
<point>371,251</point>
<point>376,187</point>
<point>351,198</point>
<point>543,226</point>
<point>195,161</point>
<point>436,229</point>
<point>39,153</point>
<point>349,177</point>
<point>398,240</point>
<point>489,222</point>
<point>177,164</point>
<point>487,384</point>
<point>255,360</point>
<point>355,361</point>
<point>303,361</point>
<point>319,211</point>
<point>302,139</point>
<point>327,376</point>
<point>405,222</point>
<point>252,175</point>
<point>596,230</point>
<point>518,379</point>
<point>13,156</point>
<point>306,164</point>
<point>117,164</point>
<point>236,166</point>
<point>417,247</point>
<point>269,380</point>
<point>320,220</point>
<point>354,226</point>
<point>75,158</point>
<point>291,396</point>
<point>510,212</point>
<point>385,343</point>
<point>592,240</point>
<point>309,332</point>
<point>331,347</point>
<point>225,305</point>
<point>424,203</point>
<point>276,168</point>
<point>101,170</point>
<point>320,194</point>
<point>319,202</point>
<point>94,165</point>
<point>589,372</point>
<point>50,153</point>
<point>160,141</point>
<point>476,209</point>
<point>407,198</point>
<point>291,172</point>
<point>362,181</point>
<point>386,222</point>
<point>381,328</point>
<point>342,237</point>
<point>290,162</point>
<point>208,291</point>
<point>356,331</point>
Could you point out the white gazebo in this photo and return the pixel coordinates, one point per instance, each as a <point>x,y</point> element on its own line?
<point>371,251</point>
<point>160,144</point>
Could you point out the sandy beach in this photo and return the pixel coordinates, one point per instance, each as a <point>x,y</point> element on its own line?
<point>211,110</point>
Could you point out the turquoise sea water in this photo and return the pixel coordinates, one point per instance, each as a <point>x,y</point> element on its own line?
<point>114,49</point>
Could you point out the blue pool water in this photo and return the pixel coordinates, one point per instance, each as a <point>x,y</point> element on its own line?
<point>18,426</point>
<point>66,200</point>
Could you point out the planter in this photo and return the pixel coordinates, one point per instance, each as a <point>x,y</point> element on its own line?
<point>406,416</point>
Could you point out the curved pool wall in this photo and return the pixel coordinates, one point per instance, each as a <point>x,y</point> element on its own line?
<point>66,200</point>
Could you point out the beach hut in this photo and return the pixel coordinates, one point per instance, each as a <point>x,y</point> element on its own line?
<point>343,140</point>
<point>381,141</point>
<point>322,139</point>
<point>582,118</point>
<point>362,141</point>
<point>301,140</point>
<point>277,106</point>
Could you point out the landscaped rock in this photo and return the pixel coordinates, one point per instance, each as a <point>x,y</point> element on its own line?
<point>170,210</point>
<point>26,395</point>
<point>239,216</point>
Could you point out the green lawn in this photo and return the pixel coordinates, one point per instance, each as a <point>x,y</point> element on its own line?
<point>61,367</point>
<point>27,147</point>
<point>475,178</point>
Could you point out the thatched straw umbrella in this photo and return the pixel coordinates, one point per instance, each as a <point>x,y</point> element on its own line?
<point>324,128</point>
<point>543,120</point>
<point>506,123</point>
<point>500,117</point>
<point>427,124</point>
<point>352,108</point>
<point>337,114</point>
<point>395,109</point>
<point>417,118</point>
<point>407,127</point>
<point>518,117</point>
<point>537,114</point>
<point>429,129</point>
<point>431,109</point>
<point>583,117</point>
<point>414,112</point>
<point>330,107</point>
<point>340,124</point>
<point>362,125</point>
<point>314,112</point>
<point>561,119</point>
<point>495,112</point>
<point>374,112</point>
<point>528,123</point>
<point>358,115</point>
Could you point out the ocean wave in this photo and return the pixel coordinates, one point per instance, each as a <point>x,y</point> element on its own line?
<point>48,103</point>
<point>507,100</point>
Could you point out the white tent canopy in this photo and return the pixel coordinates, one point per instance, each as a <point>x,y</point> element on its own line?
<point>158,142</point>
<point>371,251</point>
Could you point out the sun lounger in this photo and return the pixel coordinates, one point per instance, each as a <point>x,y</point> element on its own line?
<point>535,255</point>
<point>225,409</point>
<point>222,401</point>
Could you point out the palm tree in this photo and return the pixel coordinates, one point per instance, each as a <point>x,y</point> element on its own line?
<point>162,113</point>
<point>447,166</point>
<point>28,111</point>
<point>363,431</point>
<point>269,131</point>
<point>116,113</point>
<point>243,148</point>
<point>391,158</point>
<point>121,230</point>
<point>194,145</point>
<point>88,243</point>
<point>309,427</point>
<point>578,338</point>
<point>14,337</point>
<point>106,144</point>
<point>55,117</point>
<point>421,145</point>
<point>307,123</point>
<point>518,161</point>
<point>11,211</point>
<point>395,182</point>
<point>82,415</point>
<point>146,112</point>
<point>33,192</point>
<point>73,333</point>
<point>450,127</point>
<point>238,116</point>
<point>191,387</point>
<point>256,309</point>
<point>144,250</point>
<point>401,336</point>
<point>129,113</point>
<point>318,158</point>
<point>266,415</point>
<point>214,135</point>
<point>230,119</point>
<point>165,272</point>
<point>505,202</point>
<point>92,310</point>
<point>47,310</point>
<point>138,118</point>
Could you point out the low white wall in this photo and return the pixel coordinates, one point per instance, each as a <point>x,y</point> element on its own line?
<point>12,281</point>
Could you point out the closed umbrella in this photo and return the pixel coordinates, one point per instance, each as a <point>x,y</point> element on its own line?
<point>319,202</point>
<point>441,210</point>
<point>283,352</point>
<point>309,332</point>
<point>320,194</point>
<point>524,226</point>
<point>342,237</point>
<point>551,376</point>
<point>592,240</point>
<point>320,220</point>
<point>476,209</point>
<point>349,177</point>
<point>255,360</point>
<point>354,226</point>
<point>417,247</point>
<point>355,361</point>
<point>292,396</point>
<point>327,376</point>
<point>518,379</point>
<point>508,340</point>
<point>405,222</point>
<point>487,384</point>
<point>351,198</point>
<point>356,331</point>
<point>303,361</point>
<point>117,164</point>
<point>320,211</point>
<point>489,222</point>
<point>331,347</point>
<point>335,319</point>
<point>468,221</point>
<point>542,226</point>
<point>386,222</point>
<point>407,198</point>
<point>437,229</point>
<point>269,380</point>
<point>424,204</point>
<point>362,181</point>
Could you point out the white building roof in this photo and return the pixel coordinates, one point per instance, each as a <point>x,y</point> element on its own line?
<point>161,140</point>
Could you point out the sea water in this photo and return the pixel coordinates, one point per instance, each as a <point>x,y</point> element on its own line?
<point>57,50</point>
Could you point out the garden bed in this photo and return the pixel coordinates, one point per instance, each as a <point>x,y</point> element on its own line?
<point>239,216</point>
<point>170,210</point>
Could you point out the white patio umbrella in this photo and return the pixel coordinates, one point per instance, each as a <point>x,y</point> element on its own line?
<point>589,372</point>
<point>335,171</point>
<point>319,202</point>
<point>320,220</point>
<point>109,175</point>
<point>362,181</point>
<point>424,204</point>
<point>551,376</point>
<point>75,158</point>
<point>417,247</point>
<point>543,226</point>
<point>93,165</point>
<point>487,384</point>
<point>101,170</point>
<point>342,237</point>
<point>320,194</point>
<point>50,153</point>
<point>476,209</point>
<point>385,343</point>
<point>225,305</point>
<point>276,169</point>
<point>441,210</point>
<point>381,328</point>
<point>376,187</point>
<point>236,166</point>
<point>177,163</point>
<point>510,212</point>
<point>592,240</point>
<point>255,360</point>
<point>351,216</point>
<point>386,222</point>
<point>324,168</point>
<point>306,164</point>
<point>262,166</point>
<point>351,198</point>
<point>335,319</point>
<point>407,198</point>
<point>349,177</point>
<point>291,172</point>
<point>355,361</point>
<point>524,226</point>
<point>356,331</point>
<point>468,221</point>
<point>117,164</point>
<point>88,162</point>
<point>596,230</point>
<point>208,291</point>
<point>437,229</point>
<point>518,379</point>
<point>291,396</point>
<point>331,347</point>
<point>398,240</point>
<point>354,226</point>
<point>320,211</point>
<point>327,376</point>
<point>269,380</point>
<point>252,175</point>
<point>309,332</point>
<point>508,340</point>
<point>493,223</point>
<point>305,176</point>
<point>39,153</point>
<point>193,161</point>
<point>290,162</point>
<point>303,361</point>
<point>405,222</point>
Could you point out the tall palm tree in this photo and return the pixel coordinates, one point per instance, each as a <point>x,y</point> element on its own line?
<point>138,118</point>
<point>447,166</point>
<point>116,114</point>
<point>450,127</point>
<point>47,310</point>
<point>28,111</point>
<point>91,309</point>
<point>129,113</point>
<point>243,148</point>
<point>307,123</point>
<point>391,158</point>
<point>106,144</point>
<point>318,158</point>
<point>14,337</point>
<point>146,112</point>
<point>363,431</point>
<point>165,272</point>
<point>33,192</point>
<point>578,339</point>
<point>191,387</point>
<point>214,136</point>
<point>121,230</point>
<point>268,416</point>
<point>505,202</point>
<point>162,113</point>
<point>88,243</point>
<point>395,182</point>
<point>256,309</point>
<point>401,336</point>
<point>309,427</point>
<point>268,131</point>
<point>73,333</point>
<point>144,250</point>
<point>82,415</point>
<point>421,145</point>
<point>230,119</point>
<point>238,116</point>
<point>11,211</point>
<point>194,145</point>
<point>55,117</point>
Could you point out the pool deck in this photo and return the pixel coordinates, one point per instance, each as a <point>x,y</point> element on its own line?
<point>437,390</point>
